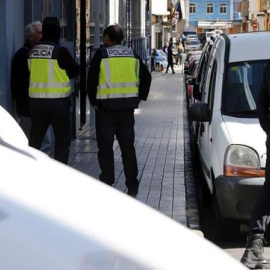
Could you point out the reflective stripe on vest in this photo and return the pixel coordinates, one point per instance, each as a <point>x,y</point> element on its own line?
<point>47,79</point>
<point>119,77</point>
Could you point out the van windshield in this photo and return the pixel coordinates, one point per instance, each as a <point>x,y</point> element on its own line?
<point>243,82</point>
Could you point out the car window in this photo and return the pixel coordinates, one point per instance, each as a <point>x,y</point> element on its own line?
<point>212,85</point>
<point>201,68</point>
<point>192,36</point>
<point>193,41</point>
<point>241,89</point>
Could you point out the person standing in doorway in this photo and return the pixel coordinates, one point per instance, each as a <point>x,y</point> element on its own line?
<point>170,58</point>
<point>260,218</point>
<point>51,68</point>
<point>117,81</point>
<point>20,84</point>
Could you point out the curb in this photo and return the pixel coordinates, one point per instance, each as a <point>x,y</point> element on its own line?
<point>193,220</point>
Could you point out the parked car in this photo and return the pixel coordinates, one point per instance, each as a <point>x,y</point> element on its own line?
<point>161,61</point>
<point>55,217</point>
<point>189,84</point>
<point>192,58</point>
<point>196,82</point>
<point>193,43</point>
<point>231,143</point>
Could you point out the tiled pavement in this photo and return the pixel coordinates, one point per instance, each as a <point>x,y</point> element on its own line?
<point>163,152</point>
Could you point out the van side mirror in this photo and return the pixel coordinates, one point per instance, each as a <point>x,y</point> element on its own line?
<point>199,112</point>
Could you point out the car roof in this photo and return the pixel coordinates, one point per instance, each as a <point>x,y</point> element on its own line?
<point>10,132</point>
<point>55,217</point>
<point>249,46</point>
<point>67,218</point>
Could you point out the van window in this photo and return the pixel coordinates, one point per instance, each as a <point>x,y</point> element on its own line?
<point>212,85</point>
<point>242,84</point>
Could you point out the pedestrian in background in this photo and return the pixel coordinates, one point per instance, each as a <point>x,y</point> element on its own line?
<point>51,68</point>
<point>20,84</point>
<point>165,48</point>
<point>180,50</point>
<point>253,255</point>
<point>170,58</point>
<point>153,60</point>
<point>117,81</point>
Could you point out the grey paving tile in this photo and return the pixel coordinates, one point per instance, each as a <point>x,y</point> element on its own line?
<point>163,153</point>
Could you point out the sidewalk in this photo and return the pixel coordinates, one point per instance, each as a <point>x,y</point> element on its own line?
<point>163,151</point>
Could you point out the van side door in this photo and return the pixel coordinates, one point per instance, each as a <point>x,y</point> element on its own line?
<point>205,130</point>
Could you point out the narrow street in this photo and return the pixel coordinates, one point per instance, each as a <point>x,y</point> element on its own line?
<point>166,170</point>
<point>161,139</point>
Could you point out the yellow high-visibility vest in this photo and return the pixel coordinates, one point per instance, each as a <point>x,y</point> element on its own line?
<point>119,74</point>
<point>47,79</point>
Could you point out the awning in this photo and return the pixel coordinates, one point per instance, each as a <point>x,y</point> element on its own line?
<point>205,24</point>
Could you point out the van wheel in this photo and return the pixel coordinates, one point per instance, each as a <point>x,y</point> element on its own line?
<point>225,229</point>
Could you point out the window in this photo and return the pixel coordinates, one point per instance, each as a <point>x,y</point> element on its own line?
<point>240,93</point>
<point>223,8</point>
<point>47,8</point>
<point>212,86</point>
<point>210,8</point>
<point>192,8</point>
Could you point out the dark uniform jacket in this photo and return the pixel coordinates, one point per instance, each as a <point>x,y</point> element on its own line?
<point>93,81</point>
<point>263,102</point>
<point>20,80</point>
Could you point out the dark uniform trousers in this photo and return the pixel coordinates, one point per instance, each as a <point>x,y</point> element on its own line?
<point>57,113</point>
<point>120,124</point>
<point>261,212</point>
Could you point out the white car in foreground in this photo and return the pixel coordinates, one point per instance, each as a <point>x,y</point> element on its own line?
<point>53,217</point>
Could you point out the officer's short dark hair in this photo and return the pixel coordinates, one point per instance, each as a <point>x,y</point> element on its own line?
<point>51,28</point>
<point>51,21</point>
<point>115,33</point>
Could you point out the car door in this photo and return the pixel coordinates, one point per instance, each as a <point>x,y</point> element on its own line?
<point>205,129</point>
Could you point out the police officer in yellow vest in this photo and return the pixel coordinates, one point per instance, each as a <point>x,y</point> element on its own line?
<point>117,81</point>
<point>51,68</point>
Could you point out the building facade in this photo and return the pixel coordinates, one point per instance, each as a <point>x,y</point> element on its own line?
<point>14,16</point>
<point>132,15</point>
<point>256,15</point>
<point>216,14</point>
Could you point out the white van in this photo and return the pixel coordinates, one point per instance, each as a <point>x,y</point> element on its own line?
<point>231,143</point>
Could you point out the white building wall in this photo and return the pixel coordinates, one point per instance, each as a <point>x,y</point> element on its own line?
<point>143,18</point>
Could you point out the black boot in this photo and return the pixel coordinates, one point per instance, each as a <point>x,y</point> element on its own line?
<point>252,257</point>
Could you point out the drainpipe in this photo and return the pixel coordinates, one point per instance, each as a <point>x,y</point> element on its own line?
<point>82,64</point>
<point>129,23</point>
